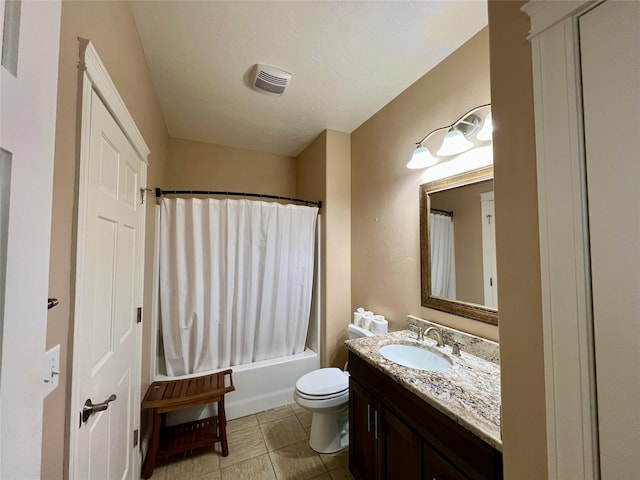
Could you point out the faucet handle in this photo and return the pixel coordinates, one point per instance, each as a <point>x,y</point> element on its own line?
<point>455,348</point>
<point>418,330</point>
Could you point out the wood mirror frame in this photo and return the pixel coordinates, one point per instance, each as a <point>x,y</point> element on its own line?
<point>455,307</point>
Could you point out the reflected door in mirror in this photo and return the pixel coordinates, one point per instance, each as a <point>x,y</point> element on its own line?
<point>461,208</point>
<point>457,218</point>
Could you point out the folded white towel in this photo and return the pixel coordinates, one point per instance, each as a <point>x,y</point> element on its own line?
<point>379,325</point>
<point>357,319</point>
<point>367,318</point>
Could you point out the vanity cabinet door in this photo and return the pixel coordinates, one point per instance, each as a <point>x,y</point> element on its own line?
<point>362,440</point>
<point>399,448</point>
<point>437,468</point>
<point>381,446</point>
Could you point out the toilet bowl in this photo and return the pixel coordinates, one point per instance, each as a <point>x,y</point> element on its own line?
<point>325,393</point>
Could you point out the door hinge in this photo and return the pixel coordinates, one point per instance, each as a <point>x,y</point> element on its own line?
<point>135,437</point>
<point>139,315</point>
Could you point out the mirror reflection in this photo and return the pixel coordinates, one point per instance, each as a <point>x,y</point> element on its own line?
<point>458,246</point>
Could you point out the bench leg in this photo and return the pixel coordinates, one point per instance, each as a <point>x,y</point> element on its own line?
<point>222,426</point>
<point>150,461</point>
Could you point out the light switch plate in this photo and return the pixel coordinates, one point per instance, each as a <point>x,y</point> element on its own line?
<point>51,370</point>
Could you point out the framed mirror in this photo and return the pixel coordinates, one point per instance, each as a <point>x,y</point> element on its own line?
<point>457,246</point>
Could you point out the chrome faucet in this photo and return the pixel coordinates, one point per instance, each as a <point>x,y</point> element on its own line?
<point>442,338</point>
<point>439,342</point>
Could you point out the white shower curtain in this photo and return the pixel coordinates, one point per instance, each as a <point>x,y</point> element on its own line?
<point>443,262</point>
<point>236,280</point>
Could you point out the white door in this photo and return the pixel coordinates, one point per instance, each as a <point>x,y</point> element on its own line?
<point>30,33</point>
<point>610,56</point>
<point>489,266</point>
<point>110,244</point>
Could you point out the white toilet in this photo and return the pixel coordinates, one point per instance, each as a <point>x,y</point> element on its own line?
<point>325,392</point>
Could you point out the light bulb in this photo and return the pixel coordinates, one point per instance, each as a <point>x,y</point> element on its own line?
<point>486,132</point>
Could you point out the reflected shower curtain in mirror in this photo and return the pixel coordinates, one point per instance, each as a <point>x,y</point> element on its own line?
<point>443,262</point>
<point>236,279</point>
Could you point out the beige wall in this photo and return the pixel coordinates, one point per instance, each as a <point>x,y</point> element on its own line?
<point>338,247</point>
<point>203,166</point>
<point>466,206</point>
<point>521,346</point>
<point>110,26</point>
<point>311,183</point>
<point>324,173</point>
<point>385,235</point>
<point>311,166</point>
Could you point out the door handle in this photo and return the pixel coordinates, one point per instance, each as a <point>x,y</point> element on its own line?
<point>89,408</point>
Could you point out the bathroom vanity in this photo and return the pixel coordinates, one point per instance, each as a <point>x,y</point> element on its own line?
<point>408,424</point>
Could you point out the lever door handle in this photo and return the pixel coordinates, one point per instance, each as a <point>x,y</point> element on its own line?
<point>89,408</point>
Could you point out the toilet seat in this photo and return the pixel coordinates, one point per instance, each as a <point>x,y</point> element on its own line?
<point>323,384</point>
<point>344,393</point>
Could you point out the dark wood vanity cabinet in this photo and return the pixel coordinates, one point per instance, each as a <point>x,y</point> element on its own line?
<point>393,434</point>
<point>363,457</point>
<point>380,444</point>
<point>400,449</point>
<point>437,468</point>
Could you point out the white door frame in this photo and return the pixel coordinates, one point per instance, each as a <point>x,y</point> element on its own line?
<point>95,78</point>
<point>570,385</point>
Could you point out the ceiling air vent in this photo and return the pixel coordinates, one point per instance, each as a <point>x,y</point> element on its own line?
<point>270,80</point>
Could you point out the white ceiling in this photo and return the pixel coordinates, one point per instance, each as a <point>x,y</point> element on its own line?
<point>348,60</point>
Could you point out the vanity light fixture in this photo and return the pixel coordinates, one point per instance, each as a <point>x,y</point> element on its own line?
<point>459,138</point>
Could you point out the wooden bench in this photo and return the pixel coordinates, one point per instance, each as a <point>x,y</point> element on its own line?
<point>170,395</point>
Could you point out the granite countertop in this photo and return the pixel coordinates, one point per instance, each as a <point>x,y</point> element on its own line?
<point>468,392</point>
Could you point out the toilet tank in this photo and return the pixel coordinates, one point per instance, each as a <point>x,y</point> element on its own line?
<point>358,332</point>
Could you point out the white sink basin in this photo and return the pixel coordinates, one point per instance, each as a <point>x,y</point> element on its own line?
<point>415,357</point>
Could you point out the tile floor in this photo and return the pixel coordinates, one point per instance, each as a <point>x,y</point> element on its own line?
<point>271,445</point>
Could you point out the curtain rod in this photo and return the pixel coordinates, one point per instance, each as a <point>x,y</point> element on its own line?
<point>160,193</point>
<point>443,212</point>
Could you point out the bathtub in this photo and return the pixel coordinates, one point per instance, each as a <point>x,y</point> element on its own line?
<point>259,386</point>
